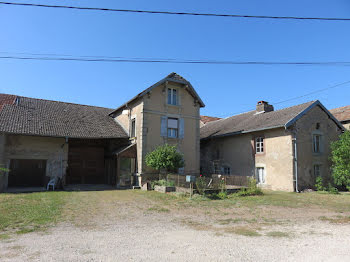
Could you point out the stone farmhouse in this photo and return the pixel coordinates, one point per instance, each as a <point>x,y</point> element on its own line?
<point>284,149</point>
<point>41,140</point>
<point>79,144</point>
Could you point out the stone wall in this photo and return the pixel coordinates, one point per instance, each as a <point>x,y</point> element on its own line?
<point>53,150</point>
<point>316,121</point>
<point>238,153</point>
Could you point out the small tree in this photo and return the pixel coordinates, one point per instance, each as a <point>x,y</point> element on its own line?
<point>341,160</point>
<point>166,158</point>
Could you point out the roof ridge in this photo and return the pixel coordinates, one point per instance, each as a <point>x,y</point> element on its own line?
<point>56,101</point>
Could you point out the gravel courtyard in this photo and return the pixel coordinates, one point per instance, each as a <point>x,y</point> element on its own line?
<point>128,226</point>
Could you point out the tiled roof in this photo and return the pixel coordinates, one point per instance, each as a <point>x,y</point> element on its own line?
<point>30,116</point>
<point>250,121</point>
<point>171,77</point>
<point>207,119</point>
<point>6,99</point>
<point>341,113</point>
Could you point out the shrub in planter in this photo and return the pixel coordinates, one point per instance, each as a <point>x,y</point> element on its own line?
<point>162,182</point>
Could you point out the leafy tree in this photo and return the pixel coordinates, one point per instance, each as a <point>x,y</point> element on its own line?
<point>165,157</point>
<point>341,160</point>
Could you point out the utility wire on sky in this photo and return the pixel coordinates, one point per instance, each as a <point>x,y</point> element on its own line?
<point>176,13</point>
<point>53,57</point>
<point>291,99</point>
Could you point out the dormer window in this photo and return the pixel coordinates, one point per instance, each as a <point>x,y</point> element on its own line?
<point>172,96</point>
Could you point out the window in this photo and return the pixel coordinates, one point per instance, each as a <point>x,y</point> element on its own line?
<point>173,127</point>
<point>217,168</point>
<point>316,144</point>
<point>172,96</point>
<point>260,175</point>
<point>317,170</point>
<point>259,145</point>
<point>227,170</point>
<point>133,128</point>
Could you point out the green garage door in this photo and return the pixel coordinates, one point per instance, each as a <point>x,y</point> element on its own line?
<point>27,173</point>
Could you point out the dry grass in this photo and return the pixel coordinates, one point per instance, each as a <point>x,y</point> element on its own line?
<point>23,213</point>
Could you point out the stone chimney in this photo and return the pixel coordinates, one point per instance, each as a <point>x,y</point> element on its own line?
<point>263,107</point>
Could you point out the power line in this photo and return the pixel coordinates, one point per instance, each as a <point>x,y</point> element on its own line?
<point>311,93</point>
<point>293,98</point>
<point>169,60</point>
<point>177,13</point>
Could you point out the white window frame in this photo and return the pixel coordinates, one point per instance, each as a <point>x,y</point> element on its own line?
<point>316,143</point>
<point>172,97</point>
<point>259,145</point>
<point>173,132</point>
<point>260,180</point>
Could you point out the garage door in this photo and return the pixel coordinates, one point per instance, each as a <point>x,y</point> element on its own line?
<point>27,173</point>
<point>86,165</point>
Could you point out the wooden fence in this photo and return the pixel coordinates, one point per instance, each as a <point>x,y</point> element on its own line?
<point>213,181</point>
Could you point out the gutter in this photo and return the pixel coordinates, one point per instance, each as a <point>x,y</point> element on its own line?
<point>294,139</point>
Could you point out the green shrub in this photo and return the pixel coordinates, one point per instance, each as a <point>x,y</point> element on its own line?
<point>222,195</point>
<point>201,185</point>
<point>332,190</point>
<point>319,185</point>
<point>341,160</point>
<point>165,157</point>
<point>251,190</point>
<point>162,182</point>
<point>3,171</point>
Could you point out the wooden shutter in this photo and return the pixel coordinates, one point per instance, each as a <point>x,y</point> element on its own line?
<point>163,126</point>
<point>182,128</point>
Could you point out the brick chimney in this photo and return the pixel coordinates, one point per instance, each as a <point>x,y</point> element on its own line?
<point>263,107</point>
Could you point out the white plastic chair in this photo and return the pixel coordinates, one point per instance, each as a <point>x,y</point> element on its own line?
<point>52,183</point>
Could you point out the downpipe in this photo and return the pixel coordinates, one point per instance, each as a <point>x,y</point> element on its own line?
<point>295,163</point>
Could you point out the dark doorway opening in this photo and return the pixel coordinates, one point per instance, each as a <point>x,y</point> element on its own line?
<point>27,173</point>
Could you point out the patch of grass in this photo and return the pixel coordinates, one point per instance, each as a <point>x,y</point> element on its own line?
<point>25,213</point>
<point>4,236</point>
<point>158,209</point>
<point>229,221</point>
<point>337,219</point>
<point>278,234</point>
<point>244,231</point>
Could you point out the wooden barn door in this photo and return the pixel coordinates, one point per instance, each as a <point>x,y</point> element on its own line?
<point>86,165</point>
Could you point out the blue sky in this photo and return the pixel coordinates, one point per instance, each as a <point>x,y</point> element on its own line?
<point>225,89</point>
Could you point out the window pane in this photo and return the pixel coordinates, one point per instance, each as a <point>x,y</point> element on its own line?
<point>174,97</point>
<point>133,128</point>
<point>169,95</point>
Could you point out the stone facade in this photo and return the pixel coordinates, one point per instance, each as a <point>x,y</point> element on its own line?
<point>149,111</point>
<point>53,150</point>
<point>237,152</point>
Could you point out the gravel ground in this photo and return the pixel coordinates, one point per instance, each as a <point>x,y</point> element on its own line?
<point>152,238</point>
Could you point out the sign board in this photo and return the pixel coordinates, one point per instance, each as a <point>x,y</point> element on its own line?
<point>190,179</point>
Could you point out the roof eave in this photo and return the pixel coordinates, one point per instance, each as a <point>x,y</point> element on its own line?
<point>302,113</point>
<point>194,93</point>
